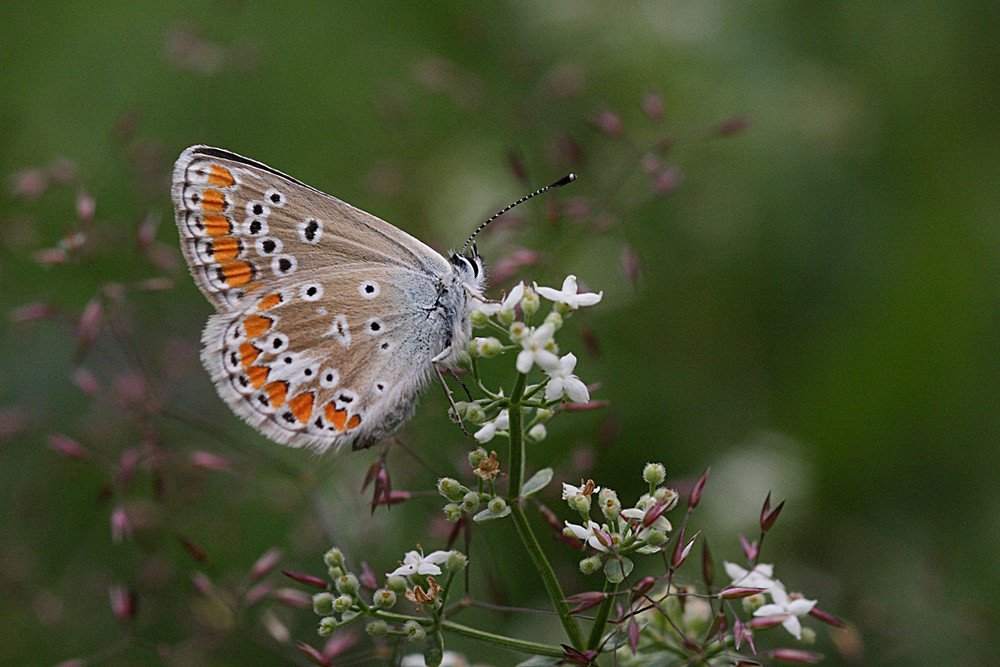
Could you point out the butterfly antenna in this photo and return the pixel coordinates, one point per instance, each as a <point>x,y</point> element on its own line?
<point>568,178</point>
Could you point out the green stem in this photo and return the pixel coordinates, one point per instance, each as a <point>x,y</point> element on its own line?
<point>516,478</point>
<point>601,619</point>
<point>503,642</point>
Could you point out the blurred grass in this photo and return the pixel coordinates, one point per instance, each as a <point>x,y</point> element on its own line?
<point>817,312</point>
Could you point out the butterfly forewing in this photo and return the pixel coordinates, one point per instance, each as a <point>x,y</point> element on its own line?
<point>328,317</point>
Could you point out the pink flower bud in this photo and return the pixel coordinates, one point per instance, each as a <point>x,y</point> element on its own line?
<point>738,592</point>
<point>652,106</point>
<point>66,446</point>
<point>257,593</point>
<point>121,525</point>
<point>85,207</point>
<point>306,579</point>
<point>265,564</point>
<point>796,655</point>
<point>86,382</point>
<point>122,602</point>
<point>698,490</point>
<point>30,312</point>
<point>293,597</point>
<point>210,461</point>
<point>313,654</point>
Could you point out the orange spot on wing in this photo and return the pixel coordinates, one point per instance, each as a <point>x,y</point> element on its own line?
<point>353,422</point>
<point>255,286</point>
<point>220,176</point>
<point>236,273</point>
<point>269,301</point>
<point>336,417</point>
<point>255,325</point>
<point>213,200</point>
<point>302,406</point>
<point>216,224</point>
<point>248,354</point>
<point>225,248</point>
<point>276,392</point>
<point>257,375</point>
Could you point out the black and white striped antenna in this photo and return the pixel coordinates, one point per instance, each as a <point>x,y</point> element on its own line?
<point>568,178</point>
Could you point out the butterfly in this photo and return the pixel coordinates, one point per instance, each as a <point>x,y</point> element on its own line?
<point>329,321</point>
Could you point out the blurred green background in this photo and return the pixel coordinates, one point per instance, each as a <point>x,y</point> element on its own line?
<point>799,259</point>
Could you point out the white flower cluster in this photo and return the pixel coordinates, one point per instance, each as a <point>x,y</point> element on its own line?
<point>535,346</point>
<point>783,605</point>
<point>639,529</point>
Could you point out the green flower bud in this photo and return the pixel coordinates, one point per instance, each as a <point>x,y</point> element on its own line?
<point>555,319</point>
<point>347,584</point>
<point>457,412</point>
<point>518,330</point>
<point>342,603</point>
<point>485,347</point>
<point>396,584</point>
<point>327,626</point>
<point>335,572</point>
<point>530,301</point>
<point>611,507</point>
<point>450,488</point>
<point>754,602</point>
<point>476,456</point>
<point>414,631</point>
<point>654,473</point>
<point>497,504</point>
<point>456,561</point>
<point>475,414</point>
<point>470,503</point>
<point>479,319</point>
<point>377,628</point>
<point>334,558</point>
<point>537,433</point>
<point>580,503</point>
<point>453,512</point>
<point>383,598</point>
<point>808,636</point>
<point>543,414</point>
<point>656,538</point>
<point>323,603</point>
<point>590,565</point>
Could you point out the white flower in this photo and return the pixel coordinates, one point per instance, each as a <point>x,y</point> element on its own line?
<point>568,296</point>
<point>585,489</point>
<point>415,562</point>
<point>783,605</point>
<point>762,576</point>
<point>506,306</point>
<point>660,523</point>
<point>490,428</point>
<point>563,382</point>
<point>448,659</point>
<point>586,533</point>
<point>537,349</point>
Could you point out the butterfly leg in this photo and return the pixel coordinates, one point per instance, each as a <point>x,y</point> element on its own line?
<point>451,401</point>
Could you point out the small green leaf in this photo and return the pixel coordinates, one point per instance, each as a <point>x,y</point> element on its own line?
<point>537,482</point>
<point>616,569</point>
<point>488,515</point>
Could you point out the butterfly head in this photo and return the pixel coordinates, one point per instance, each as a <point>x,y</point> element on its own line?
<point>469,267</point>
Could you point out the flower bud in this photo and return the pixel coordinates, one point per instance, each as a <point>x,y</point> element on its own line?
<point>414,631</point>
<point>383,598</point>
<point>543,414</point>
<point>580,503</point>
<point>323,603</point>
<point>475,414</point>
<point>470,503</point>
<point>377,628</point>
<point>611,507</point>
<point>555,319</point>
<point>450,488</point>
<point>476,456</point>
<point>347,584</point>
<point>342,603</point>
<point>458,410</point>
<point>590,565</point>
<point>485,347</point>
<point>396,584</point>
<point>479,319</point>
<point>327,626</point>
<point>453,512</point>
<point>334,558</point>
<point>656,538</point>
<point>808,636</point>
<point>335,572</point>
<point>497,504</point>
<point>456,561</point>
<point>530,301</point>
<point>537,433</point>
<point>754,602</point>
<point>654,473</point>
